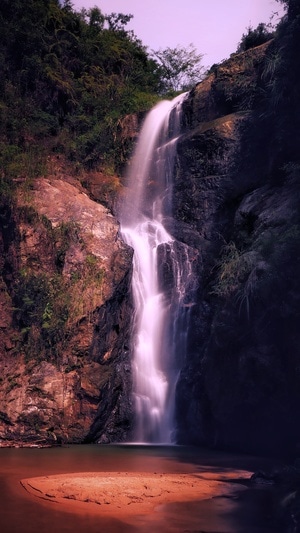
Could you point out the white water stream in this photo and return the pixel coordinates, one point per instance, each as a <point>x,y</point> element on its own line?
<point>162,275</point>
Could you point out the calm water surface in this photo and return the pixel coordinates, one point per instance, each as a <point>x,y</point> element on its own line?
<point>251,512</point>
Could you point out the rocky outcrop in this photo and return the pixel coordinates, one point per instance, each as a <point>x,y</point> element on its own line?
<point>65,303</point>
<point>65,318</point>
<point>239,388</point>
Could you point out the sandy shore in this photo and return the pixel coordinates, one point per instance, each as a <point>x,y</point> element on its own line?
<point>122,493</point>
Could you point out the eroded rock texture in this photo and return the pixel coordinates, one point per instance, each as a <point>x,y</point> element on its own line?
<point>65,306</point>
<point>64,319</point>
<point>237,199</point>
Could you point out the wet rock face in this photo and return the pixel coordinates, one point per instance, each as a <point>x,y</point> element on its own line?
<point>239,388</point>
<point>65,320</point>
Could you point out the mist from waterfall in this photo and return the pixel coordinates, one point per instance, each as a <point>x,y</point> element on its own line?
<point>162,275</point>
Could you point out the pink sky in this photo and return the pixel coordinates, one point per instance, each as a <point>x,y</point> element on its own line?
<point>214,27</point>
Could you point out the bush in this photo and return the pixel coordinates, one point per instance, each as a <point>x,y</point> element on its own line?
<point>255,37</point>
<point>233,267</point>
<point>41,310</point>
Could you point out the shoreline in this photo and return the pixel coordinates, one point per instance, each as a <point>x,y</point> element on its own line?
<point>126,494</point>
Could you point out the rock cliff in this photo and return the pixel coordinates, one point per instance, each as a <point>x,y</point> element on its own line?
<point>65,303</point>
<point>64,320</point>
<point>236,197</point>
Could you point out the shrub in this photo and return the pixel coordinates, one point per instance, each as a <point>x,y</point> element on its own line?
<point>254,37</point>
<point>233,267</point>
<point>41,310</point>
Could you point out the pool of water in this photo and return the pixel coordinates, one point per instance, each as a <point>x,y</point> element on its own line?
<point>252,511</point>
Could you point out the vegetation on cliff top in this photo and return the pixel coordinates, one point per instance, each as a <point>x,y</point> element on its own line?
<point>69,76</point>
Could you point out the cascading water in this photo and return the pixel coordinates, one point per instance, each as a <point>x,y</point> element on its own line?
<point>162,275</point>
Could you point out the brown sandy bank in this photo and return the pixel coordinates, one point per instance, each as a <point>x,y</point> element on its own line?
<point>131,493</point>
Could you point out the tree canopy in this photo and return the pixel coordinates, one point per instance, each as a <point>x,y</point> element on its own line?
<point>255,36</point>
<point>74,75</point>
<point>72,72</point>
<point>180,68</point>
<point>292,7</point>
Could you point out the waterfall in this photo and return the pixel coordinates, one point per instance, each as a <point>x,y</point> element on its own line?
<point>162,275</point>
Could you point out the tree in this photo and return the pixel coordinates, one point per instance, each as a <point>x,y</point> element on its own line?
<point>292,7</point>
<point>96,18</point>
<point>255,37</point>
<point>180,68</point>
<point>73,75</point>
<point>118,21</point>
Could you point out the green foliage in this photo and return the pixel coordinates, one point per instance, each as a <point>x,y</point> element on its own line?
<point>117,21</point>
<point>80,72</point>
<point>18,163</point>
<point>233,267</point>
<point>47,304</point>
<point>254,37</point>
<point>271,64</point>
<point>18,167</point>
<point>63,235</point>
<point>92,272</point>
<point>41,311</point>
<point>180,68</point>
<point>72,77</point>
<point>272,273</point>
<point>251,276</point>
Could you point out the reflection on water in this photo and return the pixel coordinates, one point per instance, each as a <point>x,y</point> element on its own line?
<point>20,512</point>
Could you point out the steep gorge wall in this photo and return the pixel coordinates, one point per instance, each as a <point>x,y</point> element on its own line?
<point>64,292</point>
<point>237,200</point>
<point>64,319</point>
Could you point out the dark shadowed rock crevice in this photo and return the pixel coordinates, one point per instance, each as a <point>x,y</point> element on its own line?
<point>232,197</point>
